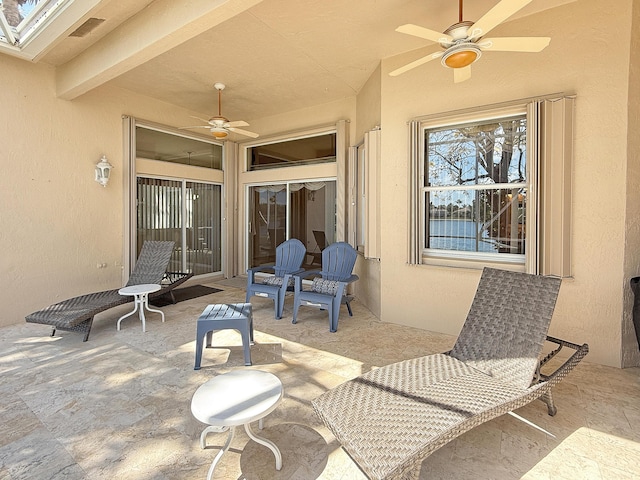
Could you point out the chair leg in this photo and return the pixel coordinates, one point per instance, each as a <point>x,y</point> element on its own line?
<point>348,302</point>
<point>88,330</point>
<point>296,305</point>
<point>334,313</point>
<point>551,406</point>
<point>280,302</point>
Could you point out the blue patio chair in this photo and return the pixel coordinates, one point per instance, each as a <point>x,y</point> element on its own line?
<point>289,258</point>
<point>328,289</point>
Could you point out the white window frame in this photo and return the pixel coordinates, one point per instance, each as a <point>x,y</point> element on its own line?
<point>549,160</point>
<point>333,170</point>
<point>431,255</point>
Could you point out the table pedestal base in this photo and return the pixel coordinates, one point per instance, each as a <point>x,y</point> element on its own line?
<point>141,301</point>
<point>247,427</point>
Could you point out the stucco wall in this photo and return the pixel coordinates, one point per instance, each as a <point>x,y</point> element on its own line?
<point>368,104</point>
<point>58,224</point>
<point>630,350</point>
<point>579,60</point>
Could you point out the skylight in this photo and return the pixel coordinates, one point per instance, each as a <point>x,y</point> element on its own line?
<point>30,27</point>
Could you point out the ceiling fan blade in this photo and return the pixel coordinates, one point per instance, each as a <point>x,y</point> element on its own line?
<point>416,63</point>
<point>515,44</point>
<point>496,16</point>
<point>195,126</point>
<point>200,118</point>
<point>237,123</point>
<point>243,132</point>
<point>461,74</point>
<point>425,33</point>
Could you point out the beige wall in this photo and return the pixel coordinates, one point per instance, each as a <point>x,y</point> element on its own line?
<point>630,352</point>
<point>579,59</point>
<point>57,223</point>
<point>369,104</point>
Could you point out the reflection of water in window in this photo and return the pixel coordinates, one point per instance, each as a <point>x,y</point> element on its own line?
<point>459,235</point>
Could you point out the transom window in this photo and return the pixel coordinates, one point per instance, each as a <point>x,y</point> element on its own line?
<point>167,146</point>
<point>475,188</point>
<point>298,151</point>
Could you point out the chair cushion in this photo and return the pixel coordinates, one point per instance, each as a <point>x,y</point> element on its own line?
<point>328,287</point>
<point>277,281</point>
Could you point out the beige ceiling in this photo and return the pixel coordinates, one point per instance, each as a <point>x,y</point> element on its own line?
<point>273,55</point>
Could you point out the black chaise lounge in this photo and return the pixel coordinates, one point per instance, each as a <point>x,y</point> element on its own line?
<point>391,418</point>
<point>76,314</point>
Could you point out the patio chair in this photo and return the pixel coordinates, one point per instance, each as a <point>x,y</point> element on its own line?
<point>76,314</point>
<point>391,418</point>
<point>289,258</point>
<point>329,289</point>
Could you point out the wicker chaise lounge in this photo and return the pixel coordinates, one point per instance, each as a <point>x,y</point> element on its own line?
<point>391,418</point>
<point>76,314</point>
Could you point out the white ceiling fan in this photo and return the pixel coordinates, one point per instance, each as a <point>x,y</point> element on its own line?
<point>463,42</point>
<point>220,126</point>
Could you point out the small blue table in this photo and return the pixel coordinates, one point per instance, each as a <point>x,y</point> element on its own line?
<point>221,317</point>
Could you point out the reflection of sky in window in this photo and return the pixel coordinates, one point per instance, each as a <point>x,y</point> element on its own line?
<point>27,8</point>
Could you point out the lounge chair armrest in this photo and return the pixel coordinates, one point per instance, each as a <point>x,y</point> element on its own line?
<point>562,371</point>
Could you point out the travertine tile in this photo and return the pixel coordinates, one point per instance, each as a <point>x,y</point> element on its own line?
<point>118,406</point>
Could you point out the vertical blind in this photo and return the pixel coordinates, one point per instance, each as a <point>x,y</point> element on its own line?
<point>187,213</point>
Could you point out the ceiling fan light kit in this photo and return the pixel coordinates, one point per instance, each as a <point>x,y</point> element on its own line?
<point>461,41</point>
<point>461,55</point>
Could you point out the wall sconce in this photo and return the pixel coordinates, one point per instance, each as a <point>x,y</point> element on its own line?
<point>103,171</point>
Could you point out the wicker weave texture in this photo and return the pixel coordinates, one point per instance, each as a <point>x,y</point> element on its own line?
<point>391,418</point>
<point>152,263</point>
<point>75,310</point>
<point>150,268</point>
<point>507,324</point>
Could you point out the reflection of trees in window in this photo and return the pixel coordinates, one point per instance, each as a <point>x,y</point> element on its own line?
<point>484,167</point>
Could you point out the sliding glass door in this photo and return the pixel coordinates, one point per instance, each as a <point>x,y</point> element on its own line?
<point>187,213</point>
<point>279,211</point>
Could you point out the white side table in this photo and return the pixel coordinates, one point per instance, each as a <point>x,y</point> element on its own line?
<point>237,398</point>
<point>141,301</point>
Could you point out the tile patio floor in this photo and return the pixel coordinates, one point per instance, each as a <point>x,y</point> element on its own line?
<point>118,406</point>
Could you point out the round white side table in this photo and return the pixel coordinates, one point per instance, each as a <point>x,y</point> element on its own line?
<point>237,398</point>
<point>141,301</point>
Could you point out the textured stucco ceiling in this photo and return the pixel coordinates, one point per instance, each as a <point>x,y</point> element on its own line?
<point>274,56</point>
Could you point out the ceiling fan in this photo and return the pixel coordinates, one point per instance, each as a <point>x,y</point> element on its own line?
<point>220,126</point>
<point>463,42</point>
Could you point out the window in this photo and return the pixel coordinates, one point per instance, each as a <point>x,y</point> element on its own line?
<point>304,210</point>
<point>299,151</point>
<point>306,201</point>
<point>166,146</point>
<point>476,188</point>
<point>187,213</point>
<point>494,186</point>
